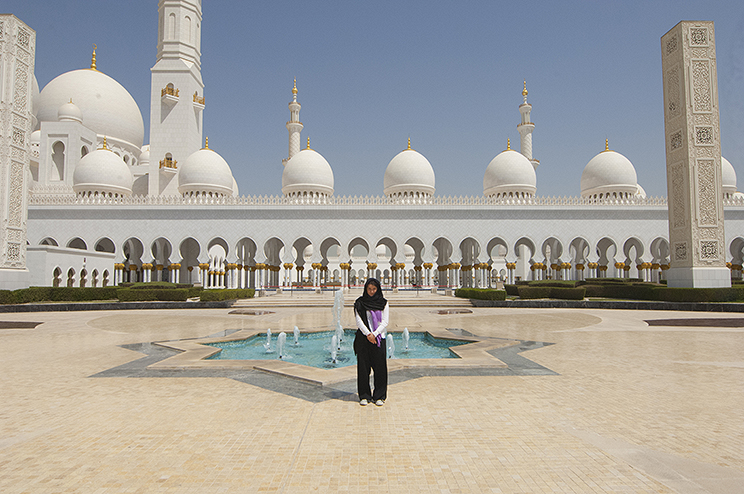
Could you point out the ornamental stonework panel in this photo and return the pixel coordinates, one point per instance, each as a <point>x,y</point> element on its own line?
<point>673,106</point>
<point>698,36</point>
<point>15,203</point>
<point>678,191</point>
<point>671,45</point>
<point>675,141</point>
<point>707,210</point>
<point>680,251</point>
<point>704,136</point>
<point>701,91</point>
<point>709,250</point>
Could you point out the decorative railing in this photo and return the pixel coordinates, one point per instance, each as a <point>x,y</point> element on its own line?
<point>171,91</point>
<point>63,195</point>
<point>198,99</point>
<point>168,163</point>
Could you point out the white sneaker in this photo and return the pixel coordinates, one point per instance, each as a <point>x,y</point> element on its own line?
<point>379,403</point>
<point>363,402</point>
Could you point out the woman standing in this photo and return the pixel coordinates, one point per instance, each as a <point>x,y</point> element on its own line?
<point>371,310</point>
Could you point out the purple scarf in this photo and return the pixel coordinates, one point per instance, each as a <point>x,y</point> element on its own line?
<point>376,320</point>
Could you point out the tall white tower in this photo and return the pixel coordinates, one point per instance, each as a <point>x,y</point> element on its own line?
<point>525,129</point>
<point>177,93</point>
<point>294,126</point>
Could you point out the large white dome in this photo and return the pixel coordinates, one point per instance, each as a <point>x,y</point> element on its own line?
<point>307,172</point>
<point>205,172</point>
<point>409,172</point>
<point>728,176</point>
<point>609,174</point>
<point>509,174</point>
<point>107,108</point>
<point>102,172</point>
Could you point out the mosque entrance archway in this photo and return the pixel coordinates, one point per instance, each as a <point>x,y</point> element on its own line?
<point>189,250</point>
<point>161,250</point>
<point>132,250</point>
<point>606,251</point>
<point>633,251</point>
<point>578,252</point>
<point>525,250</point>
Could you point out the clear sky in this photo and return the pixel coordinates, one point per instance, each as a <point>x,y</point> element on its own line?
<point>448,74</point>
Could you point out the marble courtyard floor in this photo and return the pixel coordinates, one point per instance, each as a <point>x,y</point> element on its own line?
<point>593,401</point>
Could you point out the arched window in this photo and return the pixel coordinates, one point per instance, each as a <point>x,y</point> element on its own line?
<point>83,151</point>
<point>58,158</point>
<point>187,29</point>
<point>171,34</point>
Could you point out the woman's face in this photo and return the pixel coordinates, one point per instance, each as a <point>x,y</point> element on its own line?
<point>371,289</point>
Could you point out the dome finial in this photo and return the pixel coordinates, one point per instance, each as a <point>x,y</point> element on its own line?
<point>308,143</point>
<point>607,145</point>
<point>93,60</point>
<point>409,143</point>
<point>104,143</point>
<point>294,89</point>
<point>206,142</point>
<point>524,91</point>
<point>508,144</point>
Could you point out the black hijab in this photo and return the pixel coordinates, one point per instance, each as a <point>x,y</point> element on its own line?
<point>365,302</point>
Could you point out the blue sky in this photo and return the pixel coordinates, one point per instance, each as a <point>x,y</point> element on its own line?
<point>447,74</point>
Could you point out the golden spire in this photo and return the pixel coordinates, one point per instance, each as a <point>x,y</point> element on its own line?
<point>294,89</point>
<point>524,91</point>
<point>104,143</point>
<point>508,144</point>
<point>206,143</point>
<point>607,145</point>
<point>308,143</point>
<point>93,60</point>
<point>409,143</point>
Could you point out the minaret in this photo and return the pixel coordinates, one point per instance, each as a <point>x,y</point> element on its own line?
<point>294,126</point>
<point>177,93</point>
<point>525,129</point>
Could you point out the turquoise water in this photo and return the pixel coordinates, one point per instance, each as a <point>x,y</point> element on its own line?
<point>314,349</point>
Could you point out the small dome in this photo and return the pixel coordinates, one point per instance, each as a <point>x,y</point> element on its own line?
<point>144,158</point>
<point>107,108</point>
<point>35,138</point>
<point>307,172</point>
<point>69,112</point>
<point>205,172</point>
<point>102,172</point>
<point>609,174</point>
<point>510,173</point>
<point>728,176</point>
<point>409,172</point>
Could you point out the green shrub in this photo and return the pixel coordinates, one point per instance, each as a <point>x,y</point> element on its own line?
<point>195,291</point>
<point>556,283</point>
<point>532,292</point>
<point>632,291</point>
<point>734,294</point>
<point>227,294</point>
<point>6,297</point>
<point>512,290</point>
<point>144,295</point>
<point>563,293</point>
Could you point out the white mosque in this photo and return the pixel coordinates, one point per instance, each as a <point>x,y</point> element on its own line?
<point>104,208</point>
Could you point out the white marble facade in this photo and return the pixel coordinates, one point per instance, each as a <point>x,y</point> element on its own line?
<point>183,219</point>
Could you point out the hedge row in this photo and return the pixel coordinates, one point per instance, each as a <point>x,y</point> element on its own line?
<point>56,294</point>
<point>649,291</point>
<point>512,290</point>
<point>159,294</point>
<point>481,293</point>
<point>227,294</point>
<point>533,292</point>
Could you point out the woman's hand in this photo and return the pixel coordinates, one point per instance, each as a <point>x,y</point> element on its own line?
<point>372,339</point>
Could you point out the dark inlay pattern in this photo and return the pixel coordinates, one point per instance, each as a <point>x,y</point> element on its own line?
<point>700,323</point>
<point>18,324</point>
<point>346,390</point>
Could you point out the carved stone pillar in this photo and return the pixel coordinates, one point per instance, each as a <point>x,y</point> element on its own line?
<point>693,156</point>
<point>17,49</point>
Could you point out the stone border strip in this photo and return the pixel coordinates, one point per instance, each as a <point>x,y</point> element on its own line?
<point>193,353</point>
<point>85,306</point>
<point>612,304</point>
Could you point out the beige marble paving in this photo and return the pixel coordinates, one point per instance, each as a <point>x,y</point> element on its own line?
<point>633,409</point>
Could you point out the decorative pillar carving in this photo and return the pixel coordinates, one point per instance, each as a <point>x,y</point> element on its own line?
<point>693,156</point>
